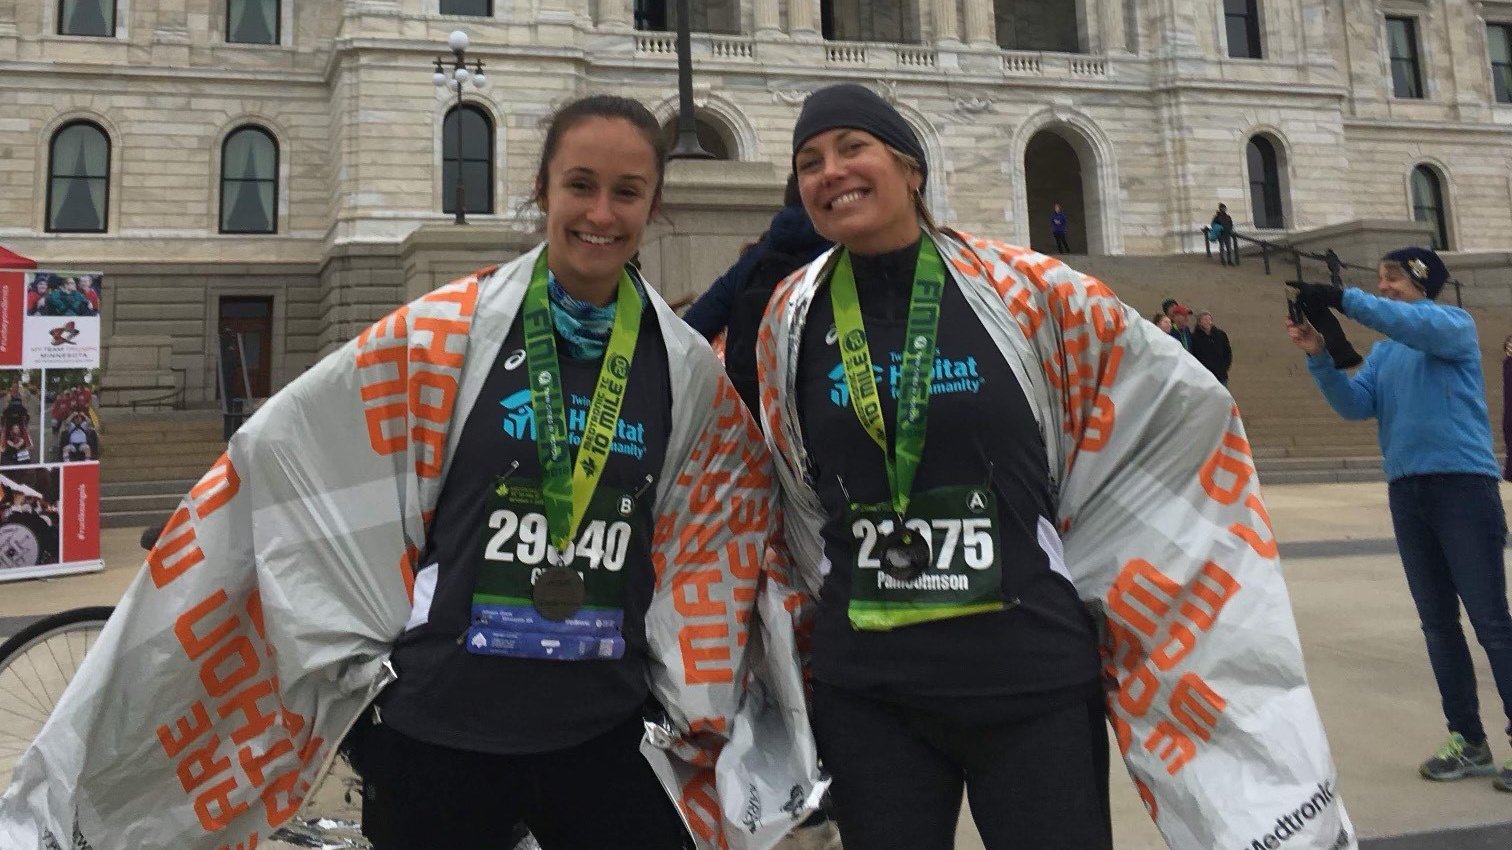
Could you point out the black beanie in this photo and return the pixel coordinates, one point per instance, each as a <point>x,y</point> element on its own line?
<point>1423,266</point>
<point>858,108</point>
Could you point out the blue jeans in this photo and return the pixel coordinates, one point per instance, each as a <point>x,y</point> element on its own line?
<point>1451,531</point>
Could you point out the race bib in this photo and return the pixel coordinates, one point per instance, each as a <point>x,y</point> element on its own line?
<point>507,608</point>
<point>963,571</point>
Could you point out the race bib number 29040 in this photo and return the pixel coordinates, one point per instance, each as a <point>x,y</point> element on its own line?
<point>516,553</point>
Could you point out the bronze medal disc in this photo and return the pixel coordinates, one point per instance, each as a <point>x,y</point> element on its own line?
<point>559,593</point>
<point>905,555</point>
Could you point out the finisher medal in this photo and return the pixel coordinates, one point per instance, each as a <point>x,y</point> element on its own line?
<point>559,593</point>
<point>905,555</point>
<point>567,483</point>
<point>905,552</point>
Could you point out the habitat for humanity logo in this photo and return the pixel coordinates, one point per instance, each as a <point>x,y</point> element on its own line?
<point>519,423</point>
<point>949,376</point>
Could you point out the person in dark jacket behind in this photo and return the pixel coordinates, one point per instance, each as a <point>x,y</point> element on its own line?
<point>1210,345</point>
<point>736,301</point>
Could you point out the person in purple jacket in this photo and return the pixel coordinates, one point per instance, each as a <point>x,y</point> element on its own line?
<point>1058,225</point>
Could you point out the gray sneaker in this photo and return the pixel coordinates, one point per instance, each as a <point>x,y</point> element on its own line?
<point>1458,759</point>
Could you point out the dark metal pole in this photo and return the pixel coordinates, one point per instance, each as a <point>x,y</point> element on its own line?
<point>687,146</point>
<point>461,212</point>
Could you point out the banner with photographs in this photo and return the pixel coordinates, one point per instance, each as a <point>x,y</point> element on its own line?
<point>49,422</point>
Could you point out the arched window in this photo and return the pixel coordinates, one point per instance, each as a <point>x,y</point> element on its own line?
<point>1428,204</point>
<point>475,159</point>
<point>249,182</point>
<point>709,136</point>
<point>1265,184</point>
<point>78,179</point>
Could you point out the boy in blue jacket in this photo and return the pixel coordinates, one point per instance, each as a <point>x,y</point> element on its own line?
<point>1424,387</point>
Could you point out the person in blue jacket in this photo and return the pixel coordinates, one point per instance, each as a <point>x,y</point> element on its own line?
<point>1423,385</point>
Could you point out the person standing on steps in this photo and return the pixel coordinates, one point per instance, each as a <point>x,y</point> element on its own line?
<point>1423,385</point>
<point>1210,345</point>
<point>1222,229</point>
<point>1058,225</point>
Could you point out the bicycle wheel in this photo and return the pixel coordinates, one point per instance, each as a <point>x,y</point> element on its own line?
<point>36,665</point>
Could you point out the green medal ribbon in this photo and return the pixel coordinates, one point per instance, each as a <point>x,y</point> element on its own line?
<point>568,486</point>
<point>917,367</point>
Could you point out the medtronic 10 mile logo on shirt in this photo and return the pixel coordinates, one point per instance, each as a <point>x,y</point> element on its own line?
<point>519,423</point>
<point>949,376</point>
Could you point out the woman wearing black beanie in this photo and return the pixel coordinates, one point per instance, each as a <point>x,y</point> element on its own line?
<point>943,412</point>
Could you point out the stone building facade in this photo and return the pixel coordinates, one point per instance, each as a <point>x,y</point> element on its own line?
<point>1139,117</point>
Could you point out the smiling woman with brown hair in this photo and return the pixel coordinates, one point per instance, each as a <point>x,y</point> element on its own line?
<point>945,411</point>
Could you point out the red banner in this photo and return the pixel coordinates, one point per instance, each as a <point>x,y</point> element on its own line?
<point>12,304</point>
<point>80,512</point>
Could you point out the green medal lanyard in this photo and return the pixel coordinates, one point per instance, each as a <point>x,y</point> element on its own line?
<point>917,367</point>
<point>566,486</point>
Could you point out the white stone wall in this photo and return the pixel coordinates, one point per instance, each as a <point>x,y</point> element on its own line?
<point>347,93</point>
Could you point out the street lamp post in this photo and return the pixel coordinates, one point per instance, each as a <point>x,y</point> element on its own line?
<point>687,146</point>
<point>458,76</point>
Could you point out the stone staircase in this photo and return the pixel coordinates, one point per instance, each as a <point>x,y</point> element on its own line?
<point>1295,435</point>
<point>150,460</point>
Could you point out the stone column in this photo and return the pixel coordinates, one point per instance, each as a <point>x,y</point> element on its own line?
<point>981,23</point>
<point>768,17</point>
<point>615,15</point>
<point>803,17</point>
<point>1112,35</point>
<point>947,29</point>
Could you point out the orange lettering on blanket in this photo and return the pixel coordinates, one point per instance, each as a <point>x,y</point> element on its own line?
<point>1196,706</point>
<point>1265,548</point>
<point>1236,462</point>
<point>201,763</point>
<point>250,844</point>
<point>382,365</point>
<point>175,552</point>
<point>246,702</point>
<point>218,678</point>
<point>1140,583</point>
<point>214,807</point>
<point>265,736</point>
<point>1178,749</point>
<point>1213,586</point>
<point>185,627</point>
<point>1141,601</point>
<point>438,332</point>
<point>700,805</point>
<point>185,730</point>
<point>708,664</point>
<point>219,486</point>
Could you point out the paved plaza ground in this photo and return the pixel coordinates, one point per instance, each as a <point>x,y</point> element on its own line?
<point>1364,653</point>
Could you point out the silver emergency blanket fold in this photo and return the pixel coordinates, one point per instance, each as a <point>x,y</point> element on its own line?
<point>1162,523</point>
<point>259,628</point>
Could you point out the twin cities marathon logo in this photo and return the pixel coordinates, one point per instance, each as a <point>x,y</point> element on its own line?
<point>949,376</point>
<point>519,423</point>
